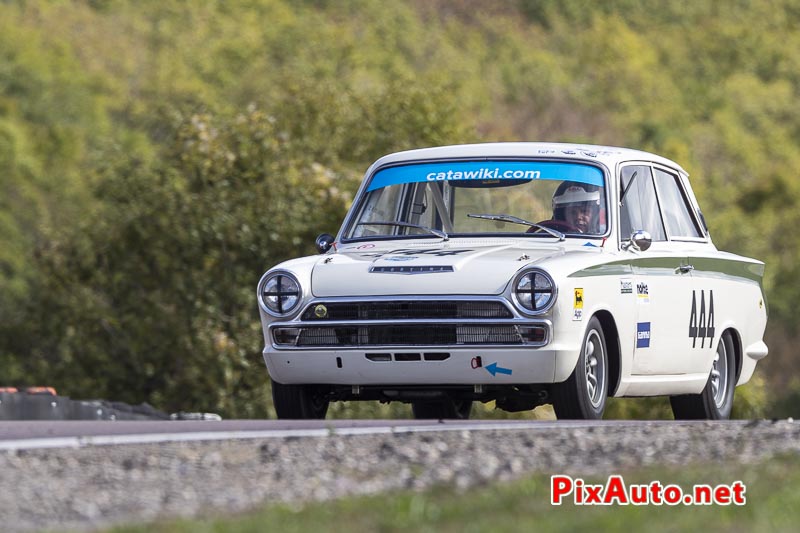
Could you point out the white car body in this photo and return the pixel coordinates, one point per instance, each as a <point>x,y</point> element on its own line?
<point>663,309</point>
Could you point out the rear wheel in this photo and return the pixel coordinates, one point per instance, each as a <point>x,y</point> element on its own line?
<point>299,401</point>
<point>583,395</point>
<point>442,409</point>
<point>716,400</point>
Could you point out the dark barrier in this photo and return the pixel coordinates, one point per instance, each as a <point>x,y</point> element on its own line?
<point>47,406</point>
<point>10,406</point>
<point>44,407</point>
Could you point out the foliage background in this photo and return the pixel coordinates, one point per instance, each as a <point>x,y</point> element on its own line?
<point>157,157</point>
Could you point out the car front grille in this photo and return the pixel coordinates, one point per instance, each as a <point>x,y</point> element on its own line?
<point>405,310</point>
<point>349,324</point>
<point>414,335</point>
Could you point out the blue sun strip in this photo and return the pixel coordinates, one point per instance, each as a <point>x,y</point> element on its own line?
<point>460,171</point>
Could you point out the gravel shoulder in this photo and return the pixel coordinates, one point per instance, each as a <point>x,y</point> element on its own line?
<point>90,487</point>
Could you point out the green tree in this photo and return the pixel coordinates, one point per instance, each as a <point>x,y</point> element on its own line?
<point>136,139</point>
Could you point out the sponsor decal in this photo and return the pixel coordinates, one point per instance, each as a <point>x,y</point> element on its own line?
<point>578,298</point>
<point>643,334</point>
<point>625,286</point>
<point>577,310</point>
<point>458,171</point>
<point>436,252</point>
<point>643,292</point>
<point>359,247</point>
<point>701,319</point>
<point>484,174</point>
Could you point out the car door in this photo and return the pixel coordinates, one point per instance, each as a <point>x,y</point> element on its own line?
<point>699,332</point>
<point>661,277</point>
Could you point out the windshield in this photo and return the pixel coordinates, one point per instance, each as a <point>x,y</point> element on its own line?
<point>469,198</point>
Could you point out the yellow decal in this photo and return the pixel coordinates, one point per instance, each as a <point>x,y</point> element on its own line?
<point>578,298</point>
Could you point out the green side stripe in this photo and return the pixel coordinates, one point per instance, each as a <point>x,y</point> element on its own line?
<point>737,269</point>
<point>614,268</point>
<point>667,266</point>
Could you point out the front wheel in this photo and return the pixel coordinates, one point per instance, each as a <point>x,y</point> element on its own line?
<point>716,400</point>
<point>583,395</point>
<point>299,401</point>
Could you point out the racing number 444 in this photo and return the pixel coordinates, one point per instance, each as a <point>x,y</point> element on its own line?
<point>701,326</point>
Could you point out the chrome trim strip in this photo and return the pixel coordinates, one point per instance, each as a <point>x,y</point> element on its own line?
<point>411,322</point>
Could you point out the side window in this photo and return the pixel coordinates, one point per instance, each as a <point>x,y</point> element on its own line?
<point>639,206</point>
<point>674,206</point>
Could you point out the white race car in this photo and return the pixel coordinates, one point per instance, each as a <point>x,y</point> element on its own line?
<point>520,273</point>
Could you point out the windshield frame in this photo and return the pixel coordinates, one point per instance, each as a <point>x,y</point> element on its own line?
<point>348,225</point>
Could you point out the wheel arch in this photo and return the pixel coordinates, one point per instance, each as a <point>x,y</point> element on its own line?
<point>611,334</point>
<point>736,340</point>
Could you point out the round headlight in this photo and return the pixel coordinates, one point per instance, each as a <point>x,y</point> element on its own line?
<point>534,291</point>
<point>280,293</point>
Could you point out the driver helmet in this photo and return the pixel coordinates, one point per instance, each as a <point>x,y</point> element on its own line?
<point>571,193</point>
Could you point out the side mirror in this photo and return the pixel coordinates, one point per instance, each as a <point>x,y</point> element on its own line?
<point>324,242</point>
<point>641,240</point>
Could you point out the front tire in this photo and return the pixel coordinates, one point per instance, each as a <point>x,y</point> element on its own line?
<point>716,400</point>
<point>299,401</point>
<point>583,395</point>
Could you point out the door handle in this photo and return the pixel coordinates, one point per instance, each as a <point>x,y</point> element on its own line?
<point>685,268</point>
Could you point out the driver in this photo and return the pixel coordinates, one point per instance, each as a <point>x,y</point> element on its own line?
<point>578,205</point>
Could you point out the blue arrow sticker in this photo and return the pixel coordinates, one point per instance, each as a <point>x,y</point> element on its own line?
<point>493,369</point>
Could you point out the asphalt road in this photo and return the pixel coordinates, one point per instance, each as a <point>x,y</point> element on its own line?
<point>72,433</point>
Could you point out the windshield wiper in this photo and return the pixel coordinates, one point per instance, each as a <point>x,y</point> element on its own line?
<point>438,233</point>
<point>515,220</point>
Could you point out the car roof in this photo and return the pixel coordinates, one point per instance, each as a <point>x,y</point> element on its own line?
<point>608,155</point>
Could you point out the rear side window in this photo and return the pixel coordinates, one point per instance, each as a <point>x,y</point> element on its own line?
<point>674,206</point>
<point>639,206</point>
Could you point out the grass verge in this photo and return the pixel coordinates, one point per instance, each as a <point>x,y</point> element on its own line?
<point>772,504</point>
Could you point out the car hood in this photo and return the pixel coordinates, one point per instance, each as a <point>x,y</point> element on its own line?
<point>449,268</point>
